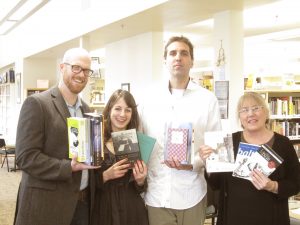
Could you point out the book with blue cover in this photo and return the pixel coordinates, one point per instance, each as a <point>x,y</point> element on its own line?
<point>243,163</point>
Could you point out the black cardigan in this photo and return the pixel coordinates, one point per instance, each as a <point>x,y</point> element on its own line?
<point>240,203</point>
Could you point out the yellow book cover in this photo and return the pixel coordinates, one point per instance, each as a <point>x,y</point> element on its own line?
<point>78,134</point>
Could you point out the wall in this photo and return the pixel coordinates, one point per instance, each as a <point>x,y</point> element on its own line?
<point>137,60</point>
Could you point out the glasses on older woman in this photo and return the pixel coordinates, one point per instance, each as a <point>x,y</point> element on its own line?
<point>253,109</point>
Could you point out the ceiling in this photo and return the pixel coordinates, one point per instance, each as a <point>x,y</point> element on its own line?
<point>261,17</point>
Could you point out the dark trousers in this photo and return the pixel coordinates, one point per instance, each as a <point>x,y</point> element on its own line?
<point>81,215</point>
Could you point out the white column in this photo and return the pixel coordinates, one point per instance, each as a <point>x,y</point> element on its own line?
<point>228,27</point>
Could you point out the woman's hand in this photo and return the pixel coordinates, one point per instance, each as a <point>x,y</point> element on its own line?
<point>117,170</point>
<point>262,182</point>
<point>205,151</point>
<point>140,172</point>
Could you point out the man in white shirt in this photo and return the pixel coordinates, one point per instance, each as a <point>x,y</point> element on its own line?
<point>176,192</point>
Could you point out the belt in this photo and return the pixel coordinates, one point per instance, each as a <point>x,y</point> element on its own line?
<point>83,195</point>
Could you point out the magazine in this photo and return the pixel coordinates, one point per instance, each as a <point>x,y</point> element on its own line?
<point>179,143</point>
<point>266,159</point>
<point>243,164</point>
<point>222,159</point>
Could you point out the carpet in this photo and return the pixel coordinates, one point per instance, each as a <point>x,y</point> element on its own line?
<point>9,184</point>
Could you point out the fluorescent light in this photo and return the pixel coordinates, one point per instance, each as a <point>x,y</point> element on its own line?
<point>25,9</point>
<point>7,6</point>
<point>6,26</point>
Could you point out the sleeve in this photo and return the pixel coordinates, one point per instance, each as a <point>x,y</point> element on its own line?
<point>30,145</point>
<point>213,124</point>
<point>141,189</point>
<point>288,173</point>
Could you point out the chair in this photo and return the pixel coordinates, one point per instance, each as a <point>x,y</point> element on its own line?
<point>7,152</point>
<point>212,204</point>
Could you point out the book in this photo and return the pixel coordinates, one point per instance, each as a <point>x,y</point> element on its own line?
<point>146,144</point>
<point>96,137</point>
<point>222,158</point>
<point>85,136</point>
<point>126,145</point>
<point>266,160</point>
<point>78,137</point>
<point>179,143</point>
<point>243,165</point>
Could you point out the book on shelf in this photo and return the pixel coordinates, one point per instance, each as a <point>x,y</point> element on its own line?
<point>126,145</point>
<point>222,158</point>
<point>85,136</point>
<point>179,143</point>
<point>243,165</point>
<point>265,159</point>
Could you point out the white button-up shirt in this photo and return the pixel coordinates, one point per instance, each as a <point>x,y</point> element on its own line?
<point>172,188</point>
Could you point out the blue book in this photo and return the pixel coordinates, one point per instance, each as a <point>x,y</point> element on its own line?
<point>146,144</point>
<point>243,163</point>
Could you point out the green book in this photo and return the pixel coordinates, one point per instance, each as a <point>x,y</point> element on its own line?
<point>146,144</point>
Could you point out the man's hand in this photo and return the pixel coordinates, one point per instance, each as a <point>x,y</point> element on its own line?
<point>175,164</point>
<point>77,166</point>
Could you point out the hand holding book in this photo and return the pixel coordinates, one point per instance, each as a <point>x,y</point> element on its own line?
<point>117,170</point>
<point>79,166</point>
<point>140,172</point>
<point>262,182</point>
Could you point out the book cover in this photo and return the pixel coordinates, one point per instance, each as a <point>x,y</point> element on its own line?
<point>78,135</point>
<point>243,165</point>
<point>222,159</point>
<point>146,144</point>
<point>266,159</point>
<point>179,143</point>
<point>96,138</point>
<point>126,145</point>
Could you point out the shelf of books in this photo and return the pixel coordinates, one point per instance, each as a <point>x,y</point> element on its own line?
<point>284,108</point>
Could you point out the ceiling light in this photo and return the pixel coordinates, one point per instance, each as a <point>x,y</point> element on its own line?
<point>6,26</point>
<point>25,9</point>
<point>7,6</point>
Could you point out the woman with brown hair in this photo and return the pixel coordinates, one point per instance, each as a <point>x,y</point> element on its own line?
<point>118,200</point>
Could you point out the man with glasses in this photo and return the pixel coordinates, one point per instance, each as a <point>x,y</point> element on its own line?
<point>54,189</point>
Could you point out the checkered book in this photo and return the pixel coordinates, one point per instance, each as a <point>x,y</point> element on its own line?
<point>177,143</point>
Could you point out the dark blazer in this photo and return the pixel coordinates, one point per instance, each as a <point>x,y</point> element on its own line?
<point>48,190</point>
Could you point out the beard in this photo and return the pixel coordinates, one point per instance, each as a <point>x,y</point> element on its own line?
<point>73,86</point>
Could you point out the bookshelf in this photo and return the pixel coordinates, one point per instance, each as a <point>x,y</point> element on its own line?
<point>31,91</point>
<point>284,108</point>
<point>97,94</point>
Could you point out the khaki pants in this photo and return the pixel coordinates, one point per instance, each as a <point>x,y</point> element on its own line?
<point>166,216</point>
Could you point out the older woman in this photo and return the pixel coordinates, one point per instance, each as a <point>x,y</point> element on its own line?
<point>263,200</point>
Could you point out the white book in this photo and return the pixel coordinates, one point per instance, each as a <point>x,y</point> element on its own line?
<point>222,159</point>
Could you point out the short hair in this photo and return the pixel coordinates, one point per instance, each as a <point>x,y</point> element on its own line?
<point>75,52</point>
<point>129,100</point>
<point>180,39</point>
<point>258,99</point>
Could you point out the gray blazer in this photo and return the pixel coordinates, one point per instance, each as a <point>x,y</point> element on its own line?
<point>48,190</point>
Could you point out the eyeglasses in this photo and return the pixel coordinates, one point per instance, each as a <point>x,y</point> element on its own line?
<point>253,109</point>
<point>77,69</point>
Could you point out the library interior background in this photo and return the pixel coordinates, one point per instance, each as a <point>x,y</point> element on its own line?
<point>240,45</point>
